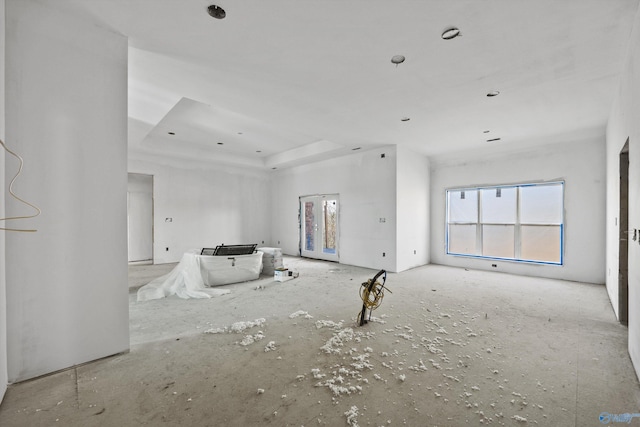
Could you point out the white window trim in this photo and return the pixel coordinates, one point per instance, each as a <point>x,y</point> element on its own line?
<point>518,224</point>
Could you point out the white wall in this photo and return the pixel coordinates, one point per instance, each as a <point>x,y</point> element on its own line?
<point>3,286</point>
<point>208,205</point>
<point>412,209</point>
<point>366,184</point>
<point>67,291</point>
<point>624,123</point>
<point>580,164</point>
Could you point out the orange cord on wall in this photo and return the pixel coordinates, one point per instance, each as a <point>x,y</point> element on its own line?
<point>38,211</point>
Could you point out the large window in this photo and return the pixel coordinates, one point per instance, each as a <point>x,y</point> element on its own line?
<point>514,222</point>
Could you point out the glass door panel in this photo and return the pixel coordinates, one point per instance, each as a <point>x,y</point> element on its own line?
<point>319,227</point>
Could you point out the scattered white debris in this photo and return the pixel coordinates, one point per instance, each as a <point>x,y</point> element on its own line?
<point>361,362</point>
<point>402,377</point>
<point>216,331</point>
<point>247,340</point>
<point>519,418</point>
<point>352,415</point>
<point>328,324</point>
<point>420,367</point>
<point>241,326</point>
<point>250,339</point>
<point>407,337</point>
<point>337,341</point>
<point>338,389</point>
<point>270,347</point>
<point>300,313</point>
<point>316,373</point>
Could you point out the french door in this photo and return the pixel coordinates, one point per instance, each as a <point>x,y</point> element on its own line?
<point>319,226</point>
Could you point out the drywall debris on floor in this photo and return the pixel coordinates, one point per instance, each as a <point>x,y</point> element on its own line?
<point>436,353</point>
<point>237,327</point>
<point>354,367</point>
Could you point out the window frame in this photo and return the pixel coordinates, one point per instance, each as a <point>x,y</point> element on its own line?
<point>518,225</point>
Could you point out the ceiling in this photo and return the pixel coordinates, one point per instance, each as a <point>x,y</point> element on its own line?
<point>283,82</point>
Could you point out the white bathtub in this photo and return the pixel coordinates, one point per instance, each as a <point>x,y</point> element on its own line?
<point>194,276</point>
<point>222,270</point>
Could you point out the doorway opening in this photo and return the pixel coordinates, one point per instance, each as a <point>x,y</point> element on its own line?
<point>319,226</point>
<point>140,218</point>
<point>623,253</point>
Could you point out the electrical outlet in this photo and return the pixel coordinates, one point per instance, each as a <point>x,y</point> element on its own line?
<point>414,251</point>
<point>383,219</point>
<point>167,249</point>
<point>494,265</point>
<point>384,254</point>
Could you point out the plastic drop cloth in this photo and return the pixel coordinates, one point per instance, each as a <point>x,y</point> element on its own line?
<point>185,281</point>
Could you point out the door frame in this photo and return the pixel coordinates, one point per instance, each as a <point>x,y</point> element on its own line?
<point>623,248</point>
<point>151,230</point>
<point>319,254</point>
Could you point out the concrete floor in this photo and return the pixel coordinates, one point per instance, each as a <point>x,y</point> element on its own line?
<point>448,347</point>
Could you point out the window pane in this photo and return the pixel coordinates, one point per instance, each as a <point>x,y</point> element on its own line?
<point>330,216</point>
<point>309,226</point>
<point>463,205</point>
<point>499,205</point>
<point>540,243</point>
<point>498,241</point>
<point>462,239</point>
<point>541,204</point>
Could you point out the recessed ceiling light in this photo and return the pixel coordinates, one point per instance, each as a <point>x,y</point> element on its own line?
<point>216,12</point>
<point>405,119</point>
<point>450,33</point>
<point>171,133</point>
<point>258,151</point>
<point>486,131</point>
<point>239,133</point>
<point>397,59</point>
<point>493,93</point>
<point>357,148</point>
<point>493,140</point>
<point>274,168</point>
<point>220,143</point>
